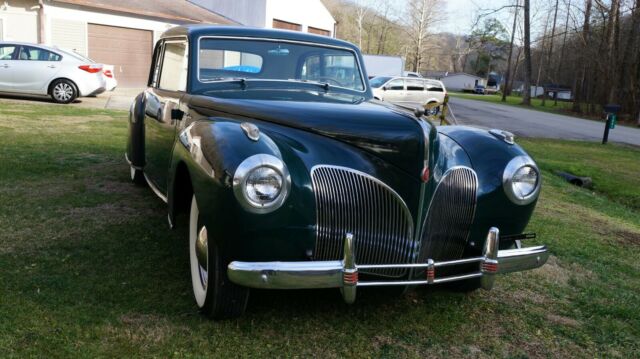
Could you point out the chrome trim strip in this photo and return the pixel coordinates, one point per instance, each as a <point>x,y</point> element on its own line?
<point>365,82</point>
<point>155,189</point>
<point>126,157</point>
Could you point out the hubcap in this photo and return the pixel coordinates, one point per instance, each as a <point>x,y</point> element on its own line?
<point>202,254</point>
<point>63,92</point>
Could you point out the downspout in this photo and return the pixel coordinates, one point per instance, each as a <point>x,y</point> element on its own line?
<point>41,22</point>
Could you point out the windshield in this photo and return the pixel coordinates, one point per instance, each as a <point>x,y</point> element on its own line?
<point>376,82</point>
<point>223,60</point>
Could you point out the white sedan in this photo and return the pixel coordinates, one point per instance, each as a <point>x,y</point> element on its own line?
<point>40,70</point>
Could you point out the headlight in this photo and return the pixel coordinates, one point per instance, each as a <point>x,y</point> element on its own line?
<point>521,180</point>
<point>261,183</point>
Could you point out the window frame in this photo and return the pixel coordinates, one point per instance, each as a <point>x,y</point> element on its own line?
<point>163,46</point>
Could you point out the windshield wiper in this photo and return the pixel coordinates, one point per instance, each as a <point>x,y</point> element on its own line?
<point>240,80</point>
<point>323,85</point>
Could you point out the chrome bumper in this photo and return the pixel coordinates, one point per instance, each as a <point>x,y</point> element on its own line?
<point>344,273</point>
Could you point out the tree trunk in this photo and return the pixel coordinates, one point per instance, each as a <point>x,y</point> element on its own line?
<point>526,99</point>
<point>582,68</point>
<point>553,35</point>
<point>515,70</point>
<point>613,42</point>
<point>564,44</point>
<point>513,36</point>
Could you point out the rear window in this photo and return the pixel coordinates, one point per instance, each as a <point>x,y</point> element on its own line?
<point>434,87</point>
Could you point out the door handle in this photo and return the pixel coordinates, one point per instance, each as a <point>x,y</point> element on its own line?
<point>5,66</point>
<point>52,66</point>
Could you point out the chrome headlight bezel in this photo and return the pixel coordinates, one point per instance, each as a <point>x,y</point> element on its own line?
<point>510,171</point>
<point>247,167</point>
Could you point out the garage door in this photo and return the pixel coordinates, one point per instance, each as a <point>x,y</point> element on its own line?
<point>129,50</point>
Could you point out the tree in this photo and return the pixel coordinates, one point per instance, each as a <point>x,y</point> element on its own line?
<point>513,36</point>
<point>579,78</point>
<point>490,45</point>
<point>526,98</point>
<point>421,16</point>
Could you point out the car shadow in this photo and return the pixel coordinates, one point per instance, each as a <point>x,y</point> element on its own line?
<point>32,98</point>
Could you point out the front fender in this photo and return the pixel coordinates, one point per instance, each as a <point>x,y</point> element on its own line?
<point>488,156</point>
<point>212,150</point>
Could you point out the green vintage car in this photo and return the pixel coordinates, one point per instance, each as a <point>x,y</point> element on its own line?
<point>294,177</point>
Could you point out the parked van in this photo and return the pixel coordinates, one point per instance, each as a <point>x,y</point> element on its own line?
<point>409,91</point>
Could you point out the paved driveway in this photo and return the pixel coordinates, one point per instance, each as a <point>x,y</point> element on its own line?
<point>530,123</point>
<point>119,99</point>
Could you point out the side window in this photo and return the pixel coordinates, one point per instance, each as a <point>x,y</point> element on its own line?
<point>173,74</point>
<point>415,85</point>
<point>7,51</point>
<point>36,54</point>
<point>396,85</point>
<point>434,87</point>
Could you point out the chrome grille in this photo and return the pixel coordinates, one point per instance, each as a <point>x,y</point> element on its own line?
<point>446,229</point>
<point>349,201</point>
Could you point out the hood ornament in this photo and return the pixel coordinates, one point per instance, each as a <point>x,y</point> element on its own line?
<point>505,136</point>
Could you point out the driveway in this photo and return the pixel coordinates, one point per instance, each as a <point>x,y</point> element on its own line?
<point>119,99</point>
<point>531,123</point>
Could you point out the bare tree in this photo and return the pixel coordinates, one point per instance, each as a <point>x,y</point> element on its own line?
<point>513,36</point>
<point>548,61</point>
<point>579,79</point>
<point>361,13</point>
<point>526,98</point>
<point>421,16</point>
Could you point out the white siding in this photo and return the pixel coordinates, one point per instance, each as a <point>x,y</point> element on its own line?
<point>69,34</point>
<point>19,20</point>
<point>304,12</point>
<point>461,82</point>
<point>246,12</point>
<point>1,30</point>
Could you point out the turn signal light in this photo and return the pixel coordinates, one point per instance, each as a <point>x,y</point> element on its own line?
<point>108,73</point>
<point>350,278</point>
<point>92,69</point>
<point>489,267</point>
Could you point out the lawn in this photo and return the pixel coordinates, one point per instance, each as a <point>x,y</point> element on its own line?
<point>89,268</point>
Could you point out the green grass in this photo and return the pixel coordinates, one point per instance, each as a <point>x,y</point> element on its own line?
<point>88,267</point>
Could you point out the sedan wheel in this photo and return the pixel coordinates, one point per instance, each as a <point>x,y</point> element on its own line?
<point>63,91</point>
<point>215,295</point>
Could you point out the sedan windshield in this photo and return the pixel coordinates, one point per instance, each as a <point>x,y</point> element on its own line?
<point>222,60</point>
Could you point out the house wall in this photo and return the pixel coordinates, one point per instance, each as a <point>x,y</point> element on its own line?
<point>261,13</point>
<point>66,25</point>
<point>461,82</point>
<point>19,20</point>
<point>246,12</point>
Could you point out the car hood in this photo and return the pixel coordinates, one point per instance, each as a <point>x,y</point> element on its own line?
<point>388,132</point>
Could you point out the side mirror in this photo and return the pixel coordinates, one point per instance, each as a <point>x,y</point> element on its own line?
<point>384,88</point>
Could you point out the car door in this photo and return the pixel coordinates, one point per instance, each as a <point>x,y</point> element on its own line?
<point>34,69</point>
<point>395,91</point>
<point>435,90</point>
<point>8,52</point>
<point>416,95</point>
<point>168,86</point>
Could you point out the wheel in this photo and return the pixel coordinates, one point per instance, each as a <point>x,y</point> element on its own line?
<point>434,111</point>
<point>137,176</point>
<point>63,91</point>
<point>216,296</point>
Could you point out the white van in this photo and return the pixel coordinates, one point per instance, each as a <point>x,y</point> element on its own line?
<point>409,91</point>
